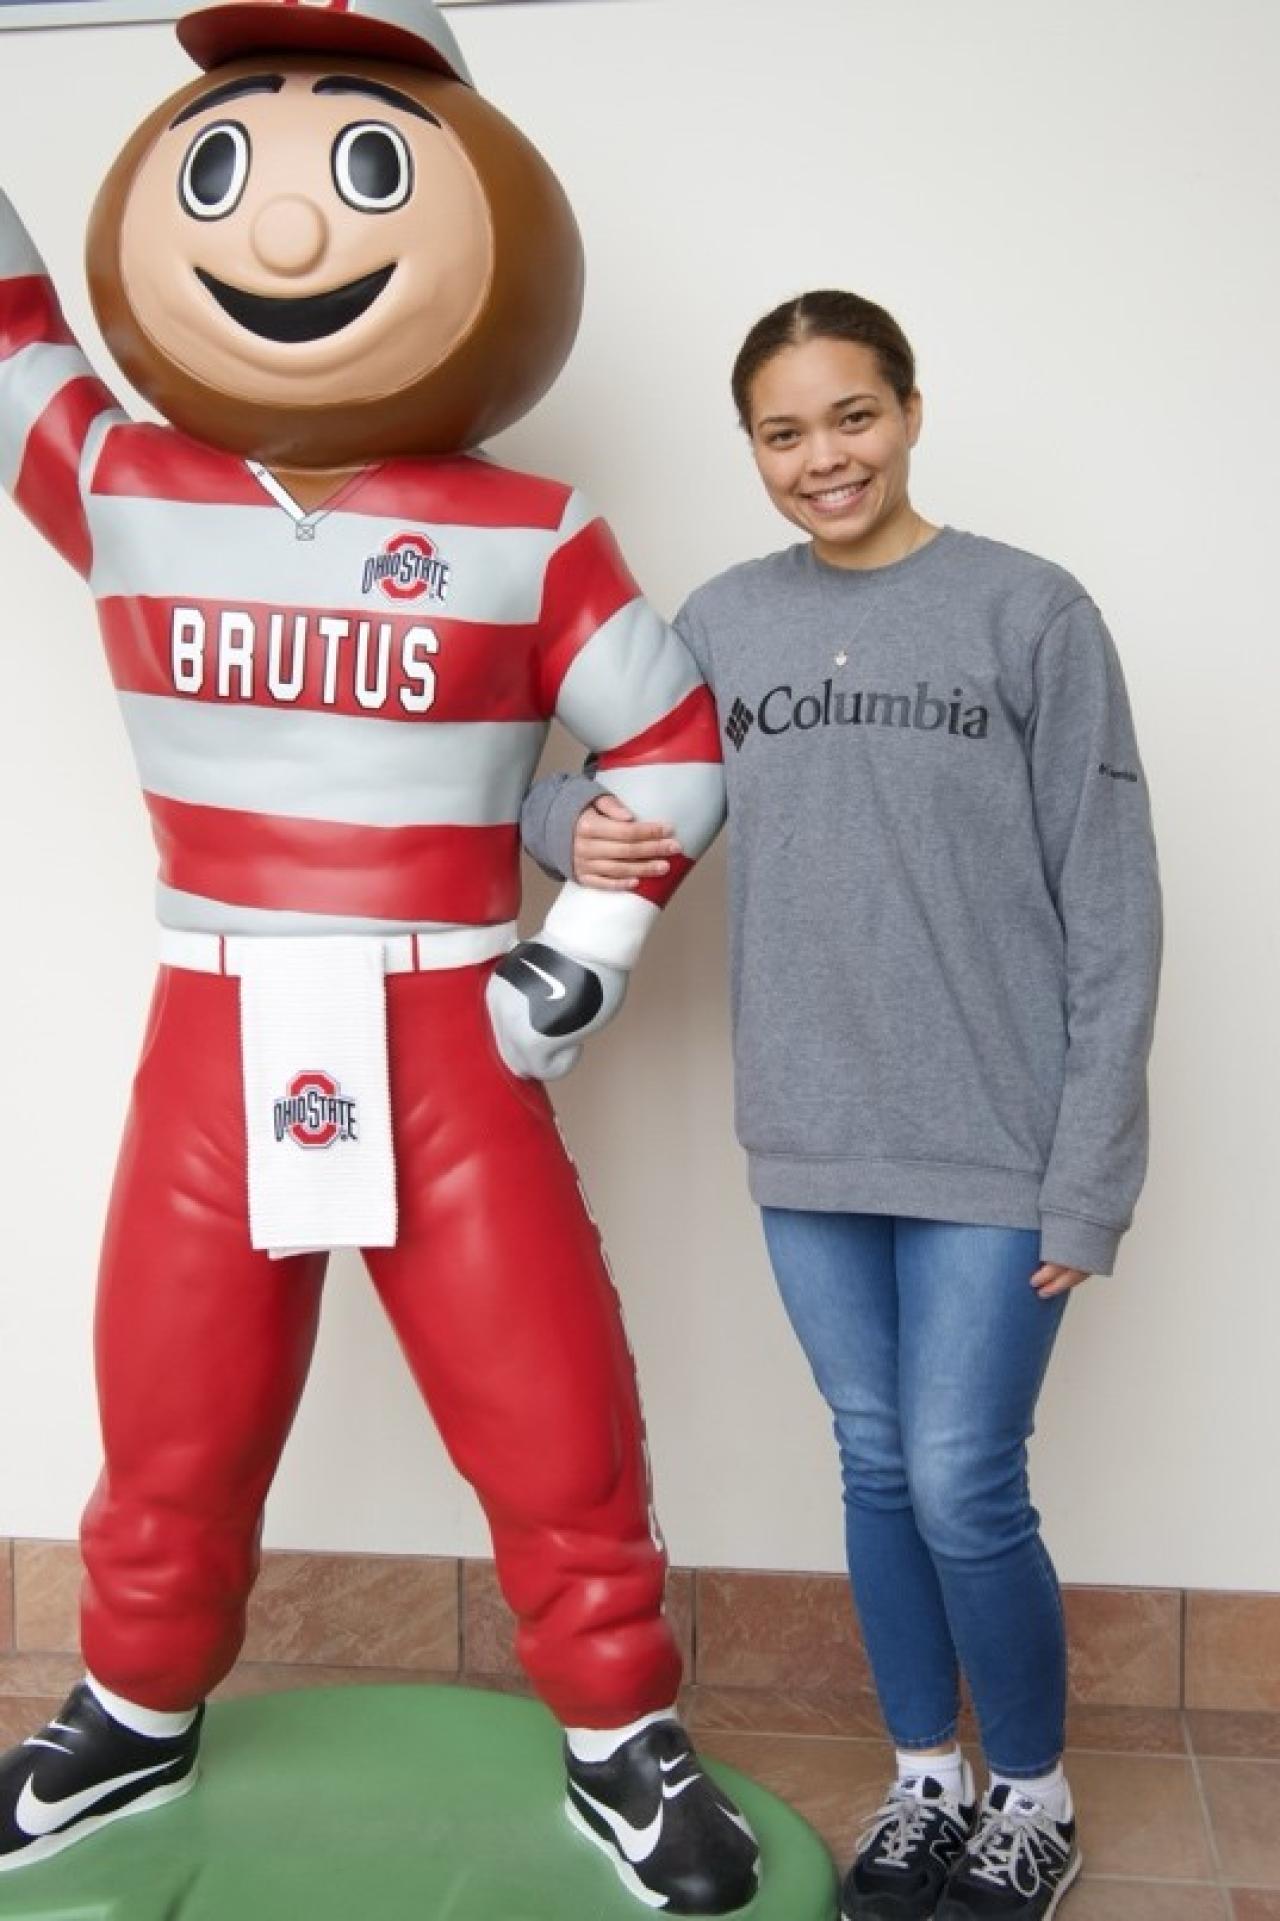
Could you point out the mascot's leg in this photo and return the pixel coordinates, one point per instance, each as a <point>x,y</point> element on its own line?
<point>500,1296</point>
<point>202,1349</point>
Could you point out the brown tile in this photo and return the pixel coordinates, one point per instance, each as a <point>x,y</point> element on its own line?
<point>778,1711</point>
<point>487,1625</point>
<point>1108,1730</point>
<point>1125,1730</point>
<point>1101,1900</point>
<point>280,1677</point>
<point>680,1612</point>
<point>1140,1815</point>
<point>331,1609</point>
<point>488,1634</point>
<point>1243,1799</point>
<point>46,1596</point>
<point>1253,1904</point>
<point>787,1631</point>
<point>1245,1737</point>
<point>1233,1650</point>
<point>355,1610</point>
<point>43,1674</point>
<point>835,1785</point>
<point>1125,1646</point>
<point>6,1596</point>
<point>21,1715</point>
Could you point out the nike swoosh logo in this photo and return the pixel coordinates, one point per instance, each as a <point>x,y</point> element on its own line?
<point>673,1794</point>
<point>36,1817</point>
<point>556,990</point>
<point>637,1844</point>
<point>740,1821</point>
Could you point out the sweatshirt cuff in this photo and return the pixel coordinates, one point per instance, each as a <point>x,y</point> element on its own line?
<point>1068,1241</point>
<point>571,797</point>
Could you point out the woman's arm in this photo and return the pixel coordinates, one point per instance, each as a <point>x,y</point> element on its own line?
<point>571,825</point>
<point>1094,821</point>
<point>552,811</point>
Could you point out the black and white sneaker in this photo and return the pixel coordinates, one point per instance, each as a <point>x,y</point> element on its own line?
<point>1018,1865</point>
<point>676,1840</point>
<point>82,1771</point>
<point>907,1850</point>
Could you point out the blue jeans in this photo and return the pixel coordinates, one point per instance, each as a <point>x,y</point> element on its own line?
<point>930,1347</point>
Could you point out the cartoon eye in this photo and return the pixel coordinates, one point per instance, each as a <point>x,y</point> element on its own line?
<point>372,169</point>
<point>215,170</point>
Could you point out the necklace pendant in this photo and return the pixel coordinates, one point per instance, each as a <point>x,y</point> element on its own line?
<point>842,659</point>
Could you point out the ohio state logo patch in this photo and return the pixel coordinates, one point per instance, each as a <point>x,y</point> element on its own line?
<point>315,1112</point>
<point>408,567</point>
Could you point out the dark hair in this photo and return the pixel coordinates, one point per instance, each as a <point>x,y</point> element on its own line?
<point>824,315</point>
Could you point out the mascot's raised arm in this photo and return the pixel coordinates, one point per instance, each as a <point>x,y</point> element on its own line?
<point>338,638</point>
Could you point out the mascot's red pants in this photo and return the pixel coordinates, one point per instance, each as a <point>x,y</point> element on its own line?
<point>499,1294</point>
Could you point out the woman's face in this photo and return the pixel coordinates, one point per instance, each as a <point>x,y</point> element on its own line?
<point>833,445</point>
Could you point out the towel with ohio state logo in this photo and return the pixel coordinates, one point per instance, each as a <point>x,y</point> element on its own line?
<point>313,1033</point>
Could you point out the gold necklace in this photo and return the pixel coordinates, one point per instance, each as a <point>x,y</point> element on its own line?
<point>841,656</point>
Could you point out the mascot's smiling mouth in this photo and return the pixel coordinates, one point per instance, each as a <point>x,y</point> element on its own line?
<point>313,317</point>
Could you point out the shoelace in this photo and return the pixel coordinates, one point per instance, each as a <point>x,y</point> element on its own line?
<point>896,1828</point>
<point>1004,1839</point>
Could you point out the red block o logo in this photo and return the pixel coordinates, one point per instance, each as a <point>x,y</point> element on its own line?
<point>412,578</point>
<point>322,1130</point>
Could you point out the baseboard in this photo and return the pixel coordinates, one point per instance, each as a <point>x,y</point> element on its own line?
<point>784,1637</point>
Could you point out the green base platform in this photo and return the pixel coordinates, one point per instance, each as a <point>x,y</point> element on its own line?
<point>382,1804</point>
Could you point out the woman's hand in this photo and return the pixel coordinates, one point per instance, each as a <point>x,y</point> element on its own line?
<point>1052,1279</point>
<point>614,850</point>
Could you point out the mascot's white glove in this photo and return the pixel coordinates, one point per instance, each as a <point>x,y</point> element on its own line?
<point>544,1003</point>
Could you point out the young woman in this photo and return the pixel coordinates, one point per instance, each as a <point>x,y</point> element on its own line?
<point>945,946</point>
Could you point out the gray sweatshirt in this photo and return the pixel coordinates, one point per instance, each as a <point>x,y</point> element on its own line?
<point>944,899</point>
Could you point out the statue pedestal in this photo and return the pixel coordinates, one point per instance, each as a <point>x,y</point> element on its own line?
<point>382,1804</point>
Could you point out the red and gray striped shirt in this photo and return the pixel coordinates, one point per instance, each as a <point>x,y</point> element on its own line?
<point>336,714</point>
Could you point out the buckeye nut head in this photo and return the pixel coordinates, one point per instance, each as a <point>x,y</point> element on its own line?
<point>318,262</point>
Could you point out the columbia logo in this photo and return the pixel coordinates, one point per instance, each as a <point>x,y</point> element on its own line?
<point>739,724</point>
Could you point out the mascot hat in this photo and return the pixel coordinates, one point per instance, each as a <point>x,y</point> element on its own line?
<point>413,32</point>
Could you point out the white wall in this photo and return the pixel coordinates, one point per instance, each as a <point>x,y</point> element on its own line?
<point>1072,211</point>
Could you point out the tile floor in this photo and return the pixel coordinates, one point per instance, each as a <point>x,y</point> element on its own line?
<point>1180,1812</point>
<point>1178,1820</point>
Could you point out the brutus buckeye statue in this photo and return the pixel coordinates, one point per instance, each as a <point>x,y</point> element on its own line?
<point>338,638</point>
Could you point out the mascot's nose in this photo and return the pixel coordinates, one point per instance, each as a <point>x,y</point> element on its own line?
<point>290,234</point>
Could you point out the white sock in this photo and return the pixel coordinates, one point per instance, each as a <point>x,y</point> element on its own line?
<point>1050,1790</point>
<point>140,1720</point>
<point>948,1770</point>
<point>600,1744</point>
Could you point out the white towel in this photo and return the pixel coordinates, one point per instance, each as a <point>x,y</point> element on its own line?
<point>313,1031</point>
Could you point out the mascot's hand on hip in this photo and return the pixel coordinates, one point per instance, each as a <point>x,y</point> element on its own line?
<point>543,1004</point>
